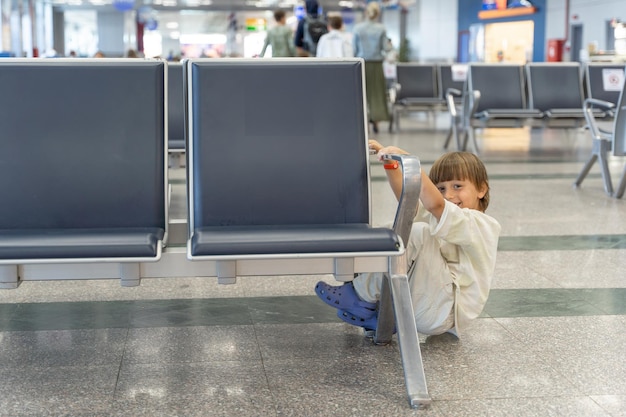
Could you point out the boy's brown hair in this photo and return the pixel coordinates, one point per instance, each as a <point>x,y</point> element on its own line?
<point>462,166</point>
<point>335,21</point>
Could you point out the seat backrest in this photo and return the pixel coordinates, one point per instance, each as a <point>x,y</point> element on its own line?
<point>175,102</point>
<point>452,76</point>
<point>501,86</point>
<point>277,142</point>
<point>619,125</point>
<point>603,81</point>
<point>554,85</point>
<point>417,81</point>
<point>82,143</point>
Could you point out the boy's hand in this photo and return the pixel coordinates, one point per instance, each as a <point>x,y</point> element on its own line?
<point>393,150</point>
<point>374,146</point>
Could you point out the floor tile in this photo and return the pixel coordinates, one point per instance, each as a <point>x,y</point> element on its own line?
<point>48,348</point>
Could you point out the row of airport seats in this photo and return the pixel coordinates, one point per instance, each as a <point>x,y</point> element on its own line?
<point>552,92</point>
<point>422,87</point>
<point>176,114</point>
<point>84,179</point>
<point>546,95</point>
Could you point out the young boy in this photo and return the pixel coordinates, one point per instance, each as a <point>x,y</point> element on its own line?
<point>335,43</point>
<point>451,250</point>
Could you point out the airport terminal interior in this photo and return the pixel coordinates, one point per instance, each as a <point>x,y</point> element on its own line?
<point>550,341</point>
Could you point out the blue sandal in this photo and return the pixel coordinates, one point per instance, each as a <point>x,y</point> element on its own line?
<point>344,297</point>
<point>369,324</point>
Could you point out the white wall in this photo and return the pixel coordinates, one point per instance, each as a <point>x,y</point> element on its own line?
<point>591,14</point>
<point>438,30</point>
<point>431,29</point>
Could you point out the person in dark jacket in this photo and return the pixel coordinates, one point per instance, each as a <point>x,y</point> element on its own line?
<point>302,49</point>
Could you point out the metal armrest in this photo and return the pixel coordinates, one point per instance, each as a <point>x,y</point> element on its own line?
<point>411,187</point>
<point>594,102</point>
<point>470,104</point>
<point>395,90</point>
<point>454,92</point>
<point>588,107</point>
<point>451,94</point>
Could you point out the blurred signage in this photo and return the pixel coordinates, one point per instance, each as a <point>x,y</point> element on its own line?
<point>255,25</point>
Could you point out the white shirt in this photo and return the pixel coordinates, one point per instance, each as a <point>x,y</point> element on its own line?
<point>468,242</point>
<point>335,44</point>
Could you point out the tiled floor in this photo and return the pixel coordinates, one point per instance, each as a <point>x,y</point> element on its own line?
<point>551,340</point>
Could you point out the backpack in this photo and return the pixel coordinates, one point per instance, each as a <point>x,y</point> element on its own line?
<point>314,28</point>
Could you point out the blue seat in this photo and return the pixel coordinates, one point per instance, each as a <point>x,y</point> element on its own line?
<point>175,108</point>
<point>494,95</point>
<point>418,89</point>
<point>268,187</point>
<point>556,90</point>
<point>602,82</point>
<point>82,171</point>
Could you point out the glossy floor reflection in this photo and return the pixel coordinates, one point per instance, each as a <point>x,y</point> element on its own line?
<point>550,342</point>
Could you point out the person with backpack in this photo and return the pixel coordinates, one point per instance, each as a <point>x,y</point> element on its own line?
<point>309,30</point>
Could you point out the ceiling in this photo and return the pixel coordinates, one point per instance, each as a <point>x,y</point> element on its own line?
<point>213,5</point>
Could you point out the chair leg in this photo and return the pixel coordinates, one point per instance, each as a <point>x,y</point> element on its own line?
<point>408,340</point>
<point>9,277</point>
<point>396,119</point>
<point>583,173</point>
<point>396,298</point>
<point>386,322</point>
<point>469,136</point>
<point>451,132</point>
<point>622,185</point>
<point>606,174</point>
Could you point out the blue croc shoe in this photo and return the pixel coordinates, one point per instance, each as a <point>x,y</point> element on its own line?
<point>344,297</point>
<point>369,324</point>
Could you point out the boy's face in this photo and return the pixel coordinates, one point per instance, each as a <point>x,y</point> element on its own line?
<point>463,193</point>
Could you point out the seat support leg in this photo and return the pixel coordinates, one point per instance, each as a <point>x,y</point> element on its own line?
<point>129,272</point>
<point>600,151</point>
<point>622,185</point>
<point>397,284</point>
<point>9,277</point>
<point>344,269</point>
<point>386,321</point>
<point>226,272</point>
<point>586,168</point>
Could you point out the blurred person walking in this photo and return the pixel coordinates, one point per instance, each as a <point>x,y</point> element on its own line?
<point>370,43</point>
<point>279,37</point>
<point>336,43</point>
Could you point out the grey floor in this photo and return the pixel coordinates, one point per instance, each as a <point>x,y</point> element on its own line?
<point>551,340</point>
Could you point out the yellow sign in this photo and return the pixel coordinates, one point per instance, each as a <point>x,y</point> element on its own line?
<point>253,25</point>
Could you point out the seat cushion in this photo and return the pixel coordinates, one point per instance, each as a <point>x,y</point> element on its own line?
<point>80,243</point>
<point>571,113</point>
<point>508,114</point>
<point>417,101</point>
<point>304,239</point>
<point>176,144</point>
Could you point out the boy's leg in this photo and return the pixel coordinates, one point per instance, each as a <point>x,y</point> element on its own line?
<point>368,286</point>
<point>430,281</point>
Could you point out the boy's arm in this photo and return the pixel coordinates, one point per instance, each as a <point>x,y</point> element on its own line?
<point>430,196</point>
